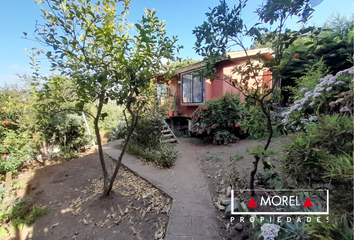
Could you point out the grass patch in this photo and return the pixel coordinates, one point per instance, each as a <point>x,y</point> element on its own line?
<point>214,159</point>
<point>238,157</point>
<point>20,213</point>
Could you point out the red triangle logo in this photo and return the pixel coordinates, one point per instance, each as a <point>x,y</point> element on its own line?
<point>252,203</point>
<point>308,203</point>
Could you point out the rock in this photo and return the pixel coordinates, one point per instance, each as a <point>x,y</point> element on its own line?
<point>220,207</point>
<point>228,208</point>
<point>228,192</point>
<point>225,201</point>
<point>238,227</point>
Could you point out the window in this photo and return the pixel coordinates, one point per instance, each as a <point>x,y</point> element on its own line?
<point>192,88</point>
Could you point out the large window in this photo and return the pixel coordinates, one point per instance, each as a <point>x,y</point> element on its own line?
<point>192,88</point>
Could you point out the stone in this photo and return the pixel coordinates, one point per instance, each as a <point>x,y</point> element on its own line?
<point>238,227</point>
<point>225,201</point>
<point>220,207</point>
<point>228,192</point>
<point>228,208</point>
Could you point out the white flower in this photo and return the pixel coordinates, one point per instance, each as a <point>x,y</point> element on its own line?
<point>304,100</point>
<point>328,89</point>
<point>285,120</point>
<point>321,79</point>
<point>323,83</point>
<point>317,95</point>
<point>351,71</point>
<point>339,82</point>
<point>339,73</point>
<point>344,109</point>
<point>312,103</point>
<point>285,114</point>
<point>308,94</point>
<point>299,109</point>
<point>297,101</point>
<point>328,77</point>
<point>313,119</point>
<point>298,128</point>
<point>270,231</point>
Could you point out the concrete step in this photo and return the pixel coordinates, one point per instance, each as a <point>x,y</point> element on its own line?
<point>170,140</point>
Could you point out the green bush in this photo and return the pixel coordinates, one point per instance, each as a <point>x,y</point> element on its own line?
<point>338,227</point>
<point>18,137</point>
<point>324,154</point>
<point>220,120</point>
<point>67,131</point>
<point>163,154</point>
<point>146,141</point>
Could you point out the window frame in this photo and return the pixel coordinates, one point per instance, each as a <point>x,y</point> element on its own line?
<point>191,73</point>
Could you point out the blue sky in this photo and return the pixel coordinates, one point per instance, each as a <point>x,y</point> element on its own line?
<point>182,16</point>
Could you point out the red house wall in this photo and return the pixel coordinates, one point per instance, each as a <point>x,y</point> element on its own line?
<point>215,89</point>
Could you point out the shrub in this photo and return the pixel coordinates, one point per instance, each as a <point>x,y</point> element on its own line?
<point>145,141</point>
<point>332,94</point>
<point>18,138</point>
<point>324,154</point>
<point>338,227</point>
<point>163,154</point>
<point>220,120</point>
<point>67,131</point>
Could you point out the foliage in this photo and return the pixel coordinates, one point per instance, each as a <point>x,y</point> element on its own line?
<point>333,44</point>
<point>324,155</point>
<point>338,227</point>
<point>224,28</point>
<point>145,141</point>
<point>17,129</point>
<point>309,79</point>
<point>56,126</point>
<point>332,94</point>
<point>220,119</point>
<point>163,154</point>
<point>180,63</point>
<point>91,43</point>
<point>21,213</point>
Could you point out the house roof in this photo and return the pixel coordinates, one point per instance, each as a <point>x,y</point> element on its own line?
<point>268,52</point>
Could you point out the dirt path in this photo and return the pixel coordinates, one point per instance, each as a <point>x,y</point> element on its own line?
<point>192,215</point>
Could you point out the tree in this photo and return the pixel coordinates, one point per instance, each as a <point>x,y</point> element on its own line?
<point>93,45</point>
<point>225,29</point>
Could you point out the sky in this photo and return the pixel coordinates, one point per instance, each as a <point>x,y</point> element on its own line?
<point>181,16</point>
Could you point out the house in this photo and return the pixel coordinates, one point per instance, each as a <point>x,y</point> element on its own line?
<point>187,91</point>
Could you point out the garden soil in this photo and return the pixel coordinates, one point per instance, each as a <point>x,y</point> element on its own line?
<point>71,193</point>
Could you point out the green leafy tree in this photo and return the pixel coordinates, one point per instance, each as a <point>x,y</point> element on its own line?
<point>93,45</point>
<point>225,29</point>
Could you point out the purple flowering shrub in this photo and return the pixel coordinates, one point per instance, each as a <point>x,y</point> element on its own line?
<point>331,95</point>
<point>220,120</point>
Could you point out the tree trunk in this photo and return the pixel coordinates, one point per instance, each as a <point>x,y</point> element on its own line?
<point>99,143</point>
<point>134,121</point>
<point>118,163</point>
<point>253,173</point>
<point>270,129</point>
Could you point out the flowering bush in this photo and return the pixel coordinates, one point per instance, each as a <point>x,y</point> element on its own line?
<point>332,94</point>
<point>270,231</point>
<point>220,120</point>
